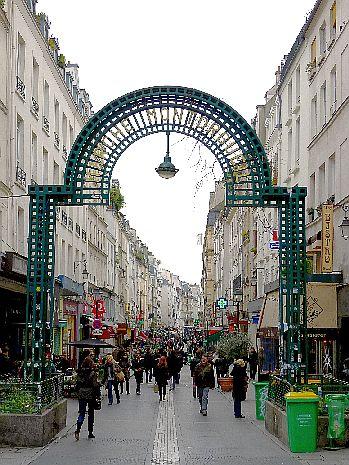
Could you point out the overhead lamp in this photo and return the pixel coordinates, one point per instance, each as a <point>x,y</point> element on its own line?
<point>167,169</point>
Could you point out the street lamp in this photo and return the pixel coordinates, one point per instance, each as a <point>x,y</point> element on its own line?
<point>345,222</point>
<point>84,271</point>
<point>167,169</point>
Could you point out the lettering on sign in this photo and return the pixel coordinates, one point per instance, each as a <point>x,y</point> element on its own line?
<point>327,239</point>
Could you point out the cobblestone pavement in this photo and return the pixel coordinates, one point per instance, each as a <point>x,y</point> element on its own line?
<point>140,430</point>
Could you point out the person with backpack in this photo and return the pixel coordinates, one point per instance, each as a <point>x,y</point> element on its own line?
<point>89,395</point>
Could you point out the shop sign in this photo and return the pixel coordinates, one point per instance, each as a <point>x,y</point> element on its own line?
<point>70,307</point>
<point>272,333</point>
<point>98,308</point>
<point>327,239</point>
<point>122,328</point>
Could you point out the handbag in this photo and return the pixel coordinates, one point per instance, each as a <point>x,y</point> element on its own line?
<point>120,376</point>
<point>97,404</point>
<point>156,388</point>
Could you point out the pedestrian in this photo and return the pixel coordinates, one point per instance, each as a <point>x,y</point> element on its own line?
<point>173,363</point>
<point>253,362</point>
<point>161,376</point>
<point>89,394</point>
<point>240,383</point>
<point>138,367</point>
<point>204,381</point>
<point>7,366</point>
<point>148,365</point>
<point>110,379</point>
<point>125,367</point>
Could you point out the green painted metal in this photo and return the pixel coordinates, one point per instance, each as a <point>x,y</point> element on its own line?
<point>87,179</point>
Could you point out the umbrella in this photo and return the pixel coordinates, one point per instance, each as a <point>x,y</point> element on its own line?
<point>91,343</point>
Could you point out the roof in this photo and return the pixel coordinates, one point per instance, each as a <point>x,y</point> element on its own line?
<point>298,42</point>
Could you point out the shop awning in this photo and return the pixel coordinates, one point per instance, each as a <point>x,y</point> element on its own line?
<point>269,317</point>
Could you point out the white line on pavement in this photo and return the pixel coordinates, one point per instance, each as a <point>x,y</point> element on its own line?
<point>165,450</point>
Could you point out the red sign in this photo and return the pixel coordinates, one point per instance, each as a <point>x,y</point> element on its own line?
<point>98,308</point>
<point>122,328</point>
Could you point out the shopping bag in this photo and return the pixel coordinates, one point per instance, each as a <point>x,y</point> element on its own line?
<point>156,388</point>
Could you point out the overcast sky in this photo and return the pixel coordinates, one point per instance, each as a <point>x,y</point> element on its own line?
<point>229,48</point>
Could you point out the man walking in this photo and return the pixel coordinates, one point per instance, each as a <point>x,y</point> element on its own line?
<point>204,381</point>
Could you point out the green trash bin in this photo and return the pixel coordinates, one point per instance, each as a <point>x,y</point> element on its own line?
<point>261,396</point>
<point>302,416</point>
<point>336,404</point>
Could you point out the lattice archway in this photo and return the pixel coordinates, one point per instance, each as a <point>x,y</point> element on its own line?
<point>87,179</point>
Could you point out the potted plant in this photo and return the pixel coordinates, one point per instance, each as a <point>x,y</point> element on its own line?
<point>232,347</point>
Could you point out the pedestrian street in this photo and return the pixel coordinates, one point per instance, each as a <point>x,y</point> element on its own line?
<point>140,430</point>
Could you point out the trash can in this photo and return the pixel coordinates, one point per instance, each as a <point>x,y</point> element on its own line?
<point>302,416</point>
<point>336,404</point>
<point>261,396</point>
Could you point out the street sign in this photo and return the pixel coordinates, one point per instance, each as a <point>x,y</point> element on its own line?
<point>222,303</point>
<point>274,245</point>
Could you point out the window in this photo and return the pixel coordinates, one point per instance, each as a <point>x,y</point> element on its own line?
<point>313,52</point>
<point>333,96</point>
<point>323,104</point>
<point>63,258</point>
<point>35,81</point>
<point>333,20</point>
<point>20,142</point>
<point>314,111</point>
<point>44,166</point>
<point>322,34</point>
<point>331,178</point>
<point>298,140</point>
<point>289,93</point>
<point>71,136</point>
<point>34,156</point>
<point>312,191</point>
<point>20,231</point>
<point>46,100</point>
<point>289,150</point>
<point>56,116</point>
<point>56,179</point>
<point>64,133</point>
<point>321,184</point>
<point>298,84</point>
<point>20,57</point>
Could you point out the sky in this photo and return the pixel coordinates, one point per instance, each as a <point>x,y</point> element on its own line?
<point>229,48</point>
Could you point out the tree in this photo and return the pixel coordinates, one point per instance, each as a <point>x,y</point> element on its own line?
<point>116,198</point>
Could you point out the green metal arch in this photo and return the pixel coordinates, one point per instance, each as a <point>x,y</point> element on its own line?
<point>244,163</point>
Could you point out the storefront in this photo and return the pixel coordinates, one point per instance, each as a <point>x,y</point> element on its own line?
<point>323,332</point>
<point>268,333</point>
<point>13,303</point>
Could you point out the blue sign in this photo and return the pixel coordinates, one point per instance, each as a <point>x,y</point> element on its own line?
<point>274,245</point>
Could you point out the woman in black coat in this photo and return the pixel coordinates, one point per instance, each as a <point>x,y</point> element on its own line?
<point>161,376</point>
<point>240,383</point>
<point>88,391</point>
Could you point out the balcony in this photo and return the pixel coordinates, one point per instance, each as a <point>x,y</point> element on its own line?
<point>21,176</point>
<point>20,87</point>
<point>57,140</point>
<point>46,125</point>
<point>35,108</point>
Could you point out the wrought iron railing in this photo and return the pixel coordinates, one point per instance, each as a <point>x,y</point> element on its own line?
<point>46,124</point>
<point>21,397</point>
<point>278,388</point>
<point>20,87</point>
<point>35,107</point>
<point>57,140</point>
<point>21,176</point>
